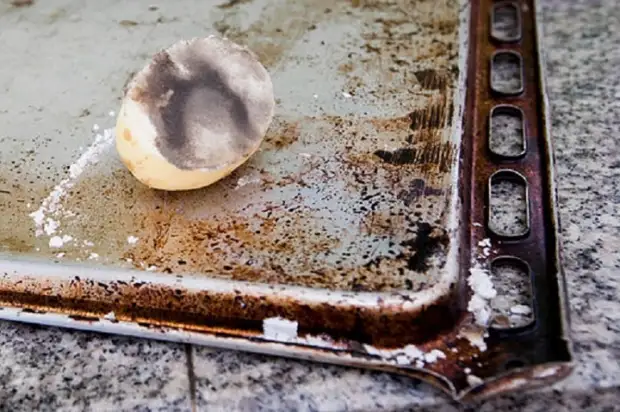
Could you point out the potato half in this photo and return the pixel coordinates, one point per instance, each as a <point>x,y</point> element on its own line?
<point>194,114</point>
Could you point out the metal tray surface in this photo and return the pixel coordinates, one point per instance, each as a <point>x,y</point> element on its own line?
<point>345,239</point>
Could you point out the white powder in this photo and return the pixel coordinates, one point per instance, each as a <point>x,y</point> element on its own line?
<point>433,355</point>
<point>60,255</point>
<point>110,316</point>
<point>96,127</point>
<point>280,329</point>
<point>246,180</point>
<point>346,95</point>
<point>485,243</point>
<point>520,310</point>
<point>56,242</point>
<point>481,310</point>
<point>407,355</point>
<point>51,207</point>
<point>132,240</point>
<point>475,338</point>
<point>480,282</point>
<point>402,360</point>
<point>93,256</point>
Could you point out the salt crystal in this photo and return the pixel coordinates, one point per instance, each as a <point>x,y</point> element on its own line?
<point>485,243</point>
<point>56,242</point>
<point>132,240</point>
<point>346,95</point>
<point>481,284</point>
<point>433,355</point>
<point>279,329</point>
<point>402,360</point>
<point>93,256</point>
<point>95,127</point>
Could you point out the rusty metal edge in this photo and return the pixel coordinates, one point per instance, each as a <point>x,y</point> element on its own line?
<point>228,342</point>
<point>546,373</point>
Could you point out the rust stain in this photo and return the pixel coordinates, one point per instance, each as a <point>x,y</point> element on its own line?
<point>282,134</point>
<point>127,135</point>
<point>434,79</point>
<point>439,155</point>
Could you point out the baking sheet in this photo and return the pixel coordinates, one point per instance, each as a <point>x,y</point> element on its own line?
<point>338,241</point>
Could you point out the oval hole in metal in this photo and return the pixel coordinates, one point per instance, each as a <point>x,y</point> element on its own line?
<point>506,73</point>
<point>506,132</point>
<point>508,215</point>
<point>506,22</point>
<point>513,306</point>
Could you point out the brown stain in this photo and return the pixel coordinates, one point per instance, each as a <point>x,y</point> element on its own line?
<point>345,68</point>
<point>441,26</point>
<point>434,79</point>
<point>439,155</point>
<point>437,115</point>
<point>282,134</point>
<point>128,23</point>
<point>127,135</point>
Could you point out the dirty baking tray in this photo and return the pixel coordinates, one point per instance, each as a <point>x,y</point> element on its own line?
<point>364,232</point>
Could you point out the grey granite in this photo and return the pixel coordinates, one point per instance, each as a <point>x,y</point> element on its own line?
<point>45,369</point>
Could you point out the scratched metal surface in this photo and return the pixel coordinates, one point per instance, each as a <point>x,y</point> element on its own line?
<point>350,191</point>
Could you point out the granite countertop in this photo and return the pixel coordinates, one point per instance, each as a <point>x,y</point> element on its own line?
<point>51,369</point>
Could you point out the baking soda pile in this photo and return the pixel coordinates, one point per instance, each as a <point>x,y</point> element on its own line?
<point>46,218</point>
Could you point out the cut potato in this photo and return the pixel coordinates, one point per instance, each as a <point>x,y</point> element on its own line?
<point>194,114</point>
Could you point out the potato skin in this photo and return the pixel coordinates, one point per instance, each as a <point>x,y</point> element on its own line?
<point>151,153</point>
<point>138,153</point>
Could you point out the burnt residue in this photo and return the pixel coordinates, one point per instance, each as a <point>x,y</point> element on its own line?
<point>434,79</point>
<point>436,115</point>
<point>439,154</point>
<point>417,189</point>
<point>428,242</point>
<point>178,102</point>
<point>282,133</point>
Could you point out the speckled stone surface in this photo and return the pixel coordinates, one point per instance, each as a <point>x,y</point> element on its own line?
<point>47,369</point>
